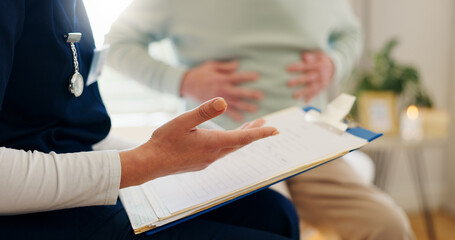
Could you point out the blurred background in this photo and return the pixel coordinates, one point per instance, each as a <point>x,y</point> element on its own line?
<point>408,60</point>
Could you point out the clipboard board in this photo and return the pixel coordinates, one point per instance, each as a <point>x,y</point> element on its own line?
<point>176,215</point>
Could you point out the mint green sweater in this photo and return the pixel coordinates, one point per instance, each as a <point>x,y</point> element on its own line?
<point>263,35</point>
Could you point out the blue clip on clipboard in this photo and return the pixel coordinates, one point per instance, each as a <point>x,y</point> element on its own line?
<point>357,131</point>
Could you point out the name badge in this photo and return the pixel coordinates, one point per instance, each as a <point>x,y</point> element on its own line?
<point>96,68</point>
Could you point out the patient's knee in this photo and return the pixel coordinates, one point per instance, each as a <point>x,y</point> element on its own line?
<point>384,223</point>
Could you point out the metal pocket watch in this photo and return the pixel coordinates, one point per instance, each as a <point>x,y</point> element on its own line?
<point>76,86</point>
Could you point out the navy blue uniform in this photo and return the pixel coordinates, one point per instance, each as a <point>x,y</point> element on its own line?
<point>37,112</point>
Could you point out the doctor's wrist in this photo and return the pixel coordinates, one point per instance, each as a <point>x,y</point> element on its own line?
<point>138,166</point>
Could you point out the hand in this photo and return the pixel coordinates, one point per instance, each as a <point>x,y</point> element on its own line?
<point>178,146</point>
<point>316,72</point>
<point>220,79</point>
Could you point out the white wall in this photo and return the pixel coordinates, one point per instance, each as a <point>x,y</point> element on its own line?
<point>425,30</point>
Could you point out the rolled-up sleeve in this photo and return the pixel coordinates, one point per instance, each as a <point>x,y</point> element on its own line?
<point>35,181</point>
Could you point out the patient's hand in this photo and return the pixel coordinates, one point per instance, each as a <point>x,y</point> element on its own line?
<point>221,79</point>
<point>178,146</point>
<point>315,70</point>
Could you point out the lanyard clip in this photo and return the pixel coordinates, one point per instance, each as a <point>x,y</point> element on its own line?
<point>74,37</point>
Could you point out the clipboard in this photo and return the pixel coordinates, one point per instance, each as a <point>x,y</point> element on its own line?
<point>182,216</point>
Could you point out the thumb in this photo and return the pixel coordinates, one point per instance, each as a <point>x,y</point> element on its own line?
<point>202,113</point>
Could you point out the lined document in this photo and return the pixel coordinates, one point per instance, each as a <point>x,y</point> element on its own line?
<point>300,143</point>
<point>137,207</point>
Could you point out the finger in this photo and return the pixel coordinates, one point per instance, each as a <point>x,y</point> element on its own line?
<point>243,93</point>
<point>235,115</point>
<point>226,67</point>
<point>308,92</point>
<point>243,106</point>
<point>202,113</point>
<point>245,125</point>
<point>300,67</point>
<point>304,79</point>
<point>303,92</point>
<point>310,57</point>
<point>242,77</point>
<point>239,138</point>
<point>256,123</point>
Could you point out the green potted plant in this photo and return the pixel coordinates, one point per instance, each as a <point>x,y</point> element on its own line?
<point>386,74</point>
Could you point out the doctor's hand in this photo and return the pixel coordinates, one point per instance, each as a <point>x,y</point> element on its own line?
<point>179,146</point>
<point>221,79</point>
<point>315,70</point>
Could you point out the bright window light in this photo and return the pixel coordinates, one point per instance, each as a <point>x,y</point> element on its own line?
<point>102,13</point>
<point>129,103</point>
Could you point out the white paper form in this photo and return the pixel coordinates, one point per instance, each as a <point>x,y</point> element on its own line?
<point>137,207</point>
<point>299,142</point>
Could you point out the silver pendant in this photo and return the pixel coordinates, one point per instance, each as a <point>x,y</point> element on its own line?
<point>77,81</point>
<point>76,84</point>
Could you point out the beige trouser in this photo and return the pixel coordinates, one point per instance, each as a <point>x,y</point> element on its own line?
<point>333,197</point>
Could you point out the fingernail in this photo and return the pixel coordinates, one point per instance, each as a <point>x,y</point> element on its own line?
<point>219,104</point>
<point>276,132</point>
